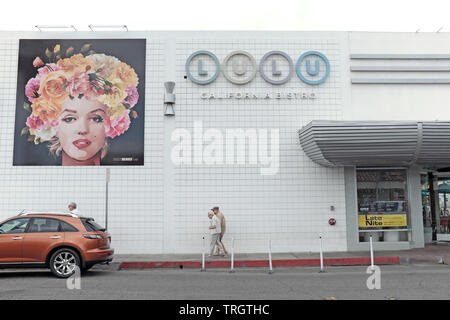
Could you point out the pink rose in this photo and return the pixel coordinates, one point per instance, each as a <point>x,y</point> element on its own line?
<point>32,89</point>
<point>34,122</point>
<point>118,125</point>
<point>49,67</point>
<point>79,84</point>
<point>132,96</point>
<point>38,62</point>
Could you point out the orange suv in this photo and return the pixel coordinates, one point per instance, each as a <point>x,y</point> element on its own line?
<point>59,241</point>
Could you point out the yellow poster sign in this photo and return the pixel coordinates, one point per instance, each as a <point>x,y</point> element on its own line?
<point>379,220</point>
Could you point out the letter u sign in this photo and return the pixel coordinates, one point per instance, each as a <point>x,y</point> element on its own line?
<point>307,56</point>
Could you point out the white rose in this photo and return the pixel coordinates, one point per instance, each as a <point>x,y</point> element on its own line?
<point>46,133</point>
<point>104,62</point>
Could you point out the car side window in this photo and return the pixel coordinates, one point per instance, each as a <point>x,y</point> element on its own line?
<point>14,226</point>
<point>65,227</point>
<point>44,225</point>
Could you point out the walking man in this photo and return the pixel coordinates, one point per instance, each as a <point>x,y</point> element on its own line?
<point>222,227</point>
<point>214,229</point>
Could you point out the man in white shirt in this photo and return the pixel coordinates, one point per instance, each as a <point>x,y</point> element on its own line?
<point>73,208</point>
<point>221,217</point>
<point>215,230</point>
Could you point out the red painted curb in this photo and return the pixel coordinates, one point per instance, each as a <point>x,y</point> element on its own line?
<point>258,263</point>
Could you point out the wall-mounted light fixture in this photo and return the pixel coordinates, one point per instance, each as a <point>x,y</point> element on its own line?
<point>169,98</point>
<point>95,27</point>
<point>55,27</point>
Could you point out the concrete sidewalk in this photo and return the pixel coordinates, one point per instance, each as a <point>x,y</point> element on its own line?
<point>433,253</point>
<point>436,253</point>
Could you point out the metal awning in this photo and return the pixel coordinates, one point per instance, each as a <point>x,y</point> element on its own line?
<point>377,143</point>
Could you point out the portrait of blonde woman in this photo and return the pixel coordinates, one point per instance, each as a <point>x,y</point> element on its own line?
<point>80,106</point>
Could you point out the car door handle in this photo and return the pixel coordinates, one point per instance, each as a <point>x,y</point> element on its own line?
<point>55,237</point>
<point>17,238</point>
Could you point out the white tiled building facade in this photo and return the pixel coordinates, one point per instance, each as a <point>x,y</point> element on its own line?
<point>161,207</point>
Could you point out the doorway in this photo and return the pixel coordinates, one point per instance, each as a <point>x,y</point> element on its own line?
<point>436,206</point>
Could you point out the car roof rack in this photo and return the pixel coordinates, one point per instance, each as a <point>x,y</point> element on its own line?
<point>48,213</point>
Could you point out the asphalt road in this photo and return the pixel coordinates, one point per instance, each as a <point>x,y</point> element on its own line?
<point>397,282</point>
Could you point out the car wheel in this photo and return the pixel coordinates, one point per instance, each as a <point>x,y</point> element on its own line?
<point>63,262</point>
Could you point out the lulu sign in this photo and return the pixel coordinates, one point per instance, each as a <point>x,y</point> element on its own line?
<point>240,67</point>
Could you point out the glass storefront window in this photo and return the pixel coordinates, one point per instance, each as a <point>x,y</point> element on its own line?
<point>382,204</point>
<point>444,210</point>
<point>441,213</point>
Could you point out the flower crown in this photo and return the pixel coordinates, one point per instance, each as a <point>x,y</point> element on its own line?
<point>84,74</point>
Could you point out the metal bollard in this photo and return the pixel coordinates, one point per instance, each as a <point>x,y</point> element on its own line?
<point>232,256</point>
<point>270,259</point>
<point>203,256</point>
<point>321,255</point>
<point>372,265</point>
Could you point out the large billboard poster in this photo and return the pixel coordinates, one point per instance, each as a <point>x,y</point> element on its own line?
<point>80,102</point>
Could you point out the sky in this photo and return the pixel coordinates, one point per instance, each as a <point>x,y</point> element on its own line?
<point>340,15</point>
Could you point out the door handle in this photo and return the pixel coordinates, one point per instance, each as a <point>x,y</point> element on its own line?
<point>55,237</point>
<point>17,238</point>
